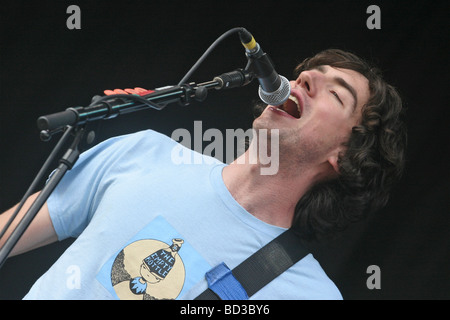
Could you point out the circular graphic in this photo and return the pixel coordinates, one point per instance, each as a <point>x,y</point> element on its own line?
<point>148,269</point>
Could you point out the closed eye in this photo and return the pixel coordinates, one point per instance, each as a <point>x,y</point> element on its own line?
<point>334,93</point>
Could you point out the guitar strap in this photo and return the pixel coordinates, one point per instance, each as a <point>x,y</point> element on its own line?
<point>256,271</point>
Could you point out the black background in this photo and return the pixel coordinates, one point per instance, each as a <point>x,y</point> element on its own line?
<point>45,68</point>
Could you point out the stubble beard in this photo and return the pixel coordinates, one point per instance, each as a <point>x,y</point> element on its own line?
<point>296,150</point>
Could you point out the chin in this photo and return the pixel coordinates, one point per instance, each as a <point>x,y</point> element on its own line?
<point>262,122</point>
<point>267,121</point>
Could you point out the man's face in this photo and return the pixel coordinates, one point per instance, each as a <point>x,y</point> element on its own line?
<point>317,120</point>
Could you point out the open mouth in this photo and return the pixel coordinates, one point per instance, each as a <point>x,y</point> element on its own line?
<point>291,107</point>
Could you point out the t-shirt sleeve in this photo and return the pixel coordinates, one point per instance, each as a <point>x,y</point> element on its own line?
<point>74,201</point>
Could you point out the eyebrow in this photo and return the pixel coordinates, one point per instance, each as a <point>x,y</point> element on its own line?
<point>340,81</point>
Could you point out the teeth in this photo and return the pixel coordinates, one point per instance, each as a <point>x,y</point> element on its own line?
<point>294,99</point>
<point>291,97</point>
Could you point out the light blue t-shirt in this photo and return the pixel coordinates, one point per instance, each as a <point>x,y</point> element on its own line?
<point>148,227</point>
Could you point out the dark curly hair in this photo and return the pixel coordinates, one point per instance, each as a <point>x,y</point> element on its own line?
<point>372,163</point>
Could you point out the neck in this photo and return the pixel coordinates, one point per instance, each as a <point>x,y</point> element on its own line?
<point>269,197</point>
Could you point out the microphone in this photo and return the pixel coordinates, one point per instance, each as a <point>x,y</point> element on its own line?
<point>273,88</point>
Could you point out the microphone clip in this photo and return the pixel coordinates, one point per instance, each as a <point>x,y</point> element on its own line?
<point>237,78</point>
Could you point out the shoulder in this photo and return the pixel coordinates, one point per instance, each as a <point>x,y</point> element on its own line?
<point>145,145</point>
<point>319,284</point>
<point>141,137</point>
<point>305,280</point>
<point>146,140</point>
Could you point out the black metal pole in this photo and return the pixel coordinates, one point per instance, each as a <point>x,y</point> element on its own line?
<point>66,162</point>
<point>110,106</point>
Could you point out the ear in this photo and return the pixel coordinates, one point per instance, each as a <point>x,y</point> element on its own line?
<point>333,162</point>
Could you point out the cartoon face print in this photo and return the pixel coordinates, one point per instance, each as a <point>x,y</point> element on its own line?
<point>149,269</point>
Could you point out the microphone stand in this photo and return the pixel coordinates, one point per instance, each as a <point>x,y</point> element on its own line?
<point>73,122</point>
<point>65,163</point>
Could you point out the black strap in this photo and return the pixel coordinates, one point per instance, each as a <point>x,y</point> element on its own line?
<point>266,264</point>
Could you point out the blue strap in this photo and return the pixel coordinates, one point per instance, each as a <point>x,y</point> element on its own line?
<point>259,269</point>
<point>222,281</point>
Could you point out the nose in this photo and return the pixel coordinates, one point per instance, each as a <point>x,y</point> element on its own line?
<point>310,81</point>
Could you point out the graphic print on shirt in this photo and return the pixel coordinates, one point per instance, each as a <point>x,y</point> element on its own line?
<point>157,263</point>
<point>148,268</point>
